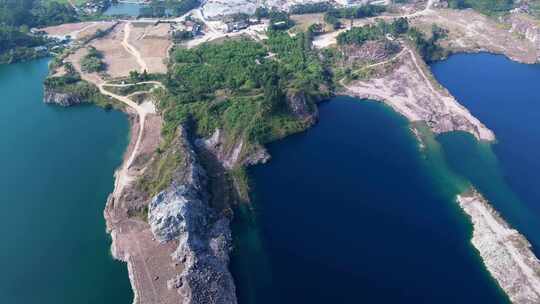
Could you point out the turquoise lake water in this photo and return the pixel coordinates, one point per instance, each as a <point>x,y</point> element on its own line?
<point>57,170</point>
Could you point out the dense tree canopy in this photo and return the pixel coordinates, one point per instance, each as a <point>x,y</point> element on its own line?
<point>241,85</point>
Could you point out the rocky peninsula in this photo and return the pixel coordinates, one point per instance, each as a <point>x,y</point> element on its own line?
<point>405,84</point>
<point>506,253</point>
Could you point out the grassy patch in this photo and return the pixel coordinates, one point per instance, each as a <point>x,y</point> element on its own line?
<point>161,173</point>
<point>127,90</point>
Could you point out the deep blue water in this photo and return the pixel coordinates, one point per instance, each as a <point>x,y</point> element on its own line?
<point>352,212</point>
<point>505,96</point>
<point>57,170</point>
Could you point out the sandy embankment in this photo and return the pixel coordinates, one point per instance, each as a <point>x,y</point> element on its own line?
<point>506,253</point>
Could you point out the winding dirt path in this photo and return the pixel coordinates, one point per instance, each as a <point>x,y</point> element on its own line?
<point>131,49</point>
<point>123,177</point>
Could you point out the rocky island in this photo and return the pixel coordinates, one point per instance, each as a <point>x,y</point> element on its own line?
<point>207,89</point>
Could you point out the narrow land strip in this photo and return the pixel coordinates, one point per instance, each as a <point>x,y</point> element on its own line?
<point>506,253</point>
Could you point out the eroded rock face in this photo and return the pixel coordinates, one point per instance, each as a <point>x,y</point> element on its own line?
<point>527,27</point>
<point>181,213</point>
<point>231,155</point>
<point>176,212</point>
<point>301,107</point>
<point>62,99</point>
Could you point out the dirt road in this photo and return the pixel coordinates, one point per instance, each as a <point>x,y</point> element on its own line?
<point>131,49</point>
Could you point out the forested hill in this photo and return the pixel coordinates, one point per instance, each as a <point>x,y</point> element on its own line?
<point>16,19</point>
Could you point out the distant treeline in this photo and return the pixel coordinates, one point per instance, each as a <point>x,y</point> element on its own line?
<point>310,8</point>
<point>16,19</point>
<point>489,7</point>
<point>334,15</point>
<point>172,8</point>
<point>359,35</point>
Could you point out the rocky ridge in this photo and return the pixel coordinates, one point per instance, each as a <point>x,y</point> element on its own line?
<point>181,213</point>
<point>232,154</point>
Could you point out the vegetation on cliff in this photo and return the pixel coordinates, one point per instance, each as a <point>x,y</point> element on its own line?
<point>71,83</point>
<point>240,87</point>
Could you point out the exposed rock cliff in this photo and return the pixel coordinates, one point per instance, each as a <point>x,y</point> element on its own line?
<point>301,107</point>
<point>527,27</point>
<point>181,213</point>
<point>53,96</point>
<point>175,244</point>
<point>232,154</point>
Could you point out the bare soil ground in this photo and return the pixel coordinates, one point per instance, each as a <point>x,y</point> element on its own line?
<point>119,61</point>
<point>79,30</point>
<point>149,262</point>
<point>75,60</point>
<point>66,29</point>
<point>103,26</point>
<point>153,43</point>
